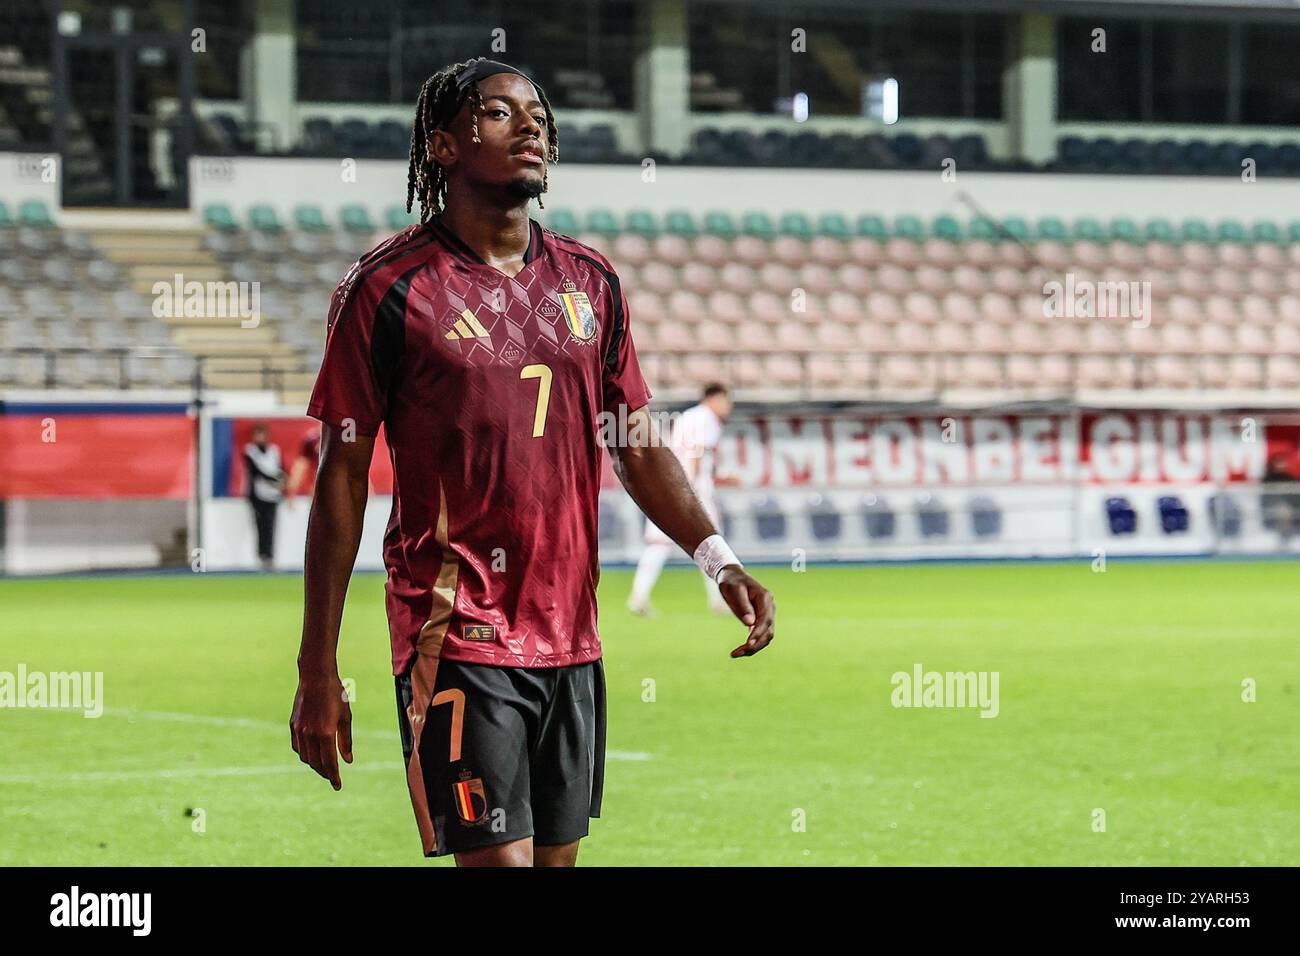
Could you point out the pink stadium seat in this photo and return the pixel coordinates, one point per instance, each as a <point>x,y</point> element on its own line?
<point>873,336</point>
<point>1053,255</point>
<point>1283,371</point>
<point>1024,371</point>
<point>1013,255</point>
<point>1286,339</point>
<point>784,370</point>
<point>764,306</point>
<point>1246,371</point>
<point>816,279</point>
<point>940,252</point>
<point>1031,306</point>
<point>1222,309</point>
<point>933,280</point>
<point>751,251</point>
<point>1099,371</point>
<point>1193,281</point>
<point>675,335</point>
<point>1184,310</point>
<point>698,278</point>
<point>977,371</point>
<point>891,278</point>
<point>1229,281</point>
<point>1007,281</point>
<point>949,337</point>
<point>854,278</point>
<point>1161,255</point>
<point>842,305</point>
<point>722,336</point>
<point>979,253</point>
<point>1269,256</point>
<point>1264,282</point>
<point>989,338</point>
<point>1215,339</point>
<point>835,335</point>
<point>629,249</point>
<point>828,252</point>
<point>1089,255</point>
<point>1198,255</point>
<point>1173,371</point>
<point>910,337</point>
<point>711,250</point>
<point>961,308</point>
<point>684,306</point>
<point>660,278</point>
<point>790,251</point>
<point>741,279</point>
<point>921,308</point>
<point>970,280</point>
<point>1028,338</point>
<point>1142,341</point>
<point>1066,336</point>
<point>643,305</point>
<point>756,335</point>
<point>1212,371</point>
<point>672,250</point>
<point>701,369</point>
<point>1288,309</point>
<point>866,251</point>
<point>1126,255</point>
<point>1233,256</point>
<point>884,307</point>
<point>1253,338</point>
<point>795,336</point>
<point>1291,281</point>
<point>905,371</point>
<point>1103,339</point>
<point>1057,371</point>
<point>903,252</point>
<point>646,334</point>
<point>777,278</point>
<point>1179,339</point>
<point>727,307</point>
<point>749,371</point>
<point>825,371</point>
<point>998,308</point>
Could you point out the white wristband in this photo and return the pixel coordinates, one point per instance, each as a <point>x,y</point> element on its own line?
<point>713,555</point>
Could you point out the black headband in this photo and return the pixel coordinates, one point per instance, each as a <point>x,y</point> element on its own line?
<point>482,68</point>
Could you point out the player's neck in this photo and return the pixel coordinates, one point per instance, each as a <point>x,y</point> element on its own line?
<point>497,232</point>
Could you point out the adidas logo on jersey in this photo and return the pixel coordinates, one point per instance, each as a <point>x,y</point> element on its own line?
<point>468,327</point>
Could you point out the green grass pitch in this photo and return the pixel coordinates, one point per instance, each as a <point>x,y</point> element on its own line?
<point>1119,691</point>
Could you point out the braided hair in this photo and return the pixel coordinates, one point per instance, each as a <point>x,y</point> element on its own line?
<point>439,101</point>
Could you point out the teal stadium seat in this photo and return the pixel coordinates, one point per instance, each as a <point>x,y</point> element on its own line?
<point>1089,230</point>
<point>1195,230</point>
<point>356,219</point>
<point>641,222</point>
<point>36,214</point>
<point>1016,228</point>
<point>983,228</point>
<point>834,225</point>
<point>679,222</point>
<point>6,220</point>
<point>562,221</point>
<point>1229,230</point>
<point>602,222</point>
<point>873,227</point>
<point>757,224</point>
<point>263,218</point>
<point>398,218</point>
<point>217,215</point>
<point>946,227</point>
<point>720,224</point>
<point>1265,231</point>
<point>796,224</point>
<point>1050,227</point>
<point>909,227</point>
<point>1161,230</point>
<point>1125,230</point>
<point>310,219</point>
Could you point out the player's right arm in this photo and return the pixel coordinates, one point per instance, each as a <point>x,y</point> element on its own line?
<point>321,724</point>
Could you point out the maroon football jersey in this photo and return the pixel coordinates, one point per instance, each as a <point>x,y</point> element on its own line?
<point>489,388</point>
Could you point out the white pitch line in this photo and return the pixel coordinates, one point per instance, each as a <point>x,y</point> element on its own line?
<point>121,776</point>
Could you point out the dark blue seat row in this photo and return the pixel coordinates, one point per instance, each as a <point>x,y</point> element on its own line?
<point>1105,154</point>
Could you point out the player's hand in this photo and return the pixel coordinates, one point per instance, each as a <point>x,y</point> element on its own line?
<point>752,604</point>
<point>321,726</point>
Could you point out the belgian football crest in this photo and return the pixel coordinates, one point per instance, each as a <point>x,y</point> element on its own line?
<point>470,799</point>
<point>578,313</point>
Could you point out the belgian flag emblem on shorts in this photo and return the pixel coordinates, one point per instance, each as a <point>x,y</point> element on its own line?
<point>470,800</point>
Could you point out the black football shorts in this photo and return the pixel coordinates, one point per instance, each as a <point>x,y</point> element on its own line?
<point>496,754</point>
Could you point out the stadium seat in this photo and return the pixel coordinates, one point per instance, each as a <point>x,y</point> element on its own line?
<point>824,518</point>
<point>877,517</point>
<point>1050,227</point>
<point>1161,230</point>
<point>909,227</point>
<point>397,218</point>
<point>986,517</point>
<point>356,219</point>
<point>1225,515</point>
<point>1089,229</point>
<point>681,223</point>
<point>796,224</point>
<point>263,218</point>
<point>1196,230</point>
<point>6,220</point>
<point>1120,516</point>
<point>833,225</point>
<point>35,214</point>
<point>719,223</point>
<point>757,224</point>
<point>1265,231</point>
<point>946,227</point>
<point>1125,230</point>
<point>1231,231</point>
<point>1174,518</point>
<point>562,221</point>
<point>218,216</point>
<point>872,227</point>
<point>769,519</point>
<point>602,222</point>
<point>1016,228</point>
<point>641,222</point>
<point>310,219</point>
<point>931,516</point>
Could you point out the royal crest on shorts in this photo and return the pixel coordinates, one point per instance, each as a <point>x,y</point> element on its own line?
<point>578,313</point>
<point>470,799</point>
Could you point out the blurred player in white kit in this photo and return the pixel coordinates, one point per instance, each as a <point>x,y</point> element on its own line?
<point>694,440</point>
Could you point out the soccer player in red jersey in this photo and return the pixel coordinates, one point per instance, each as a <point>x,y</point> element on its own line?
<point>494,352</point>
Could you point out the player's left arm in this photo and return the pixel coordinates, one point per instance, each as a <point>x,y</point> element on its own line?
<point>654,478</point>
